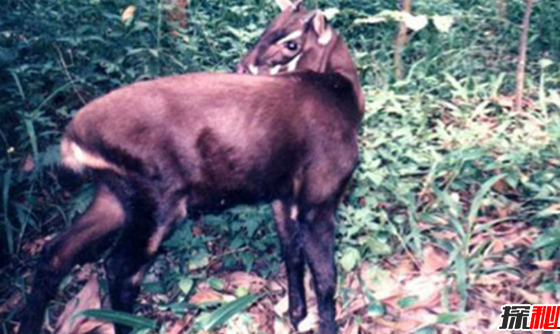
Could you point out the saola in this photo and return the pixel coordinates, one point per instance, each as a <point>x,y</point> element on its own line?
<point>207,142</point>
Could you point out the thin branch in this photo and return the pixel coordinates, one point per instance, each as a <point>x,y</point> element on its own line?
<point>65,67</point>
<point>400,42</point>
<point>520,78</point>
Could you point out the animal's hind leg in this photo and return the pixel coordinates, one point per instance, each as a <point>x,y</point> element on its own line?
<point>318,227</point>
<point>146,228</point>
<point>90,235</point>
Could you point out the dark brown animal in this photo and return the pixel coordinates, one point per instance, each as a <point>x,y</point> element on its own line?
<point>208,142</point>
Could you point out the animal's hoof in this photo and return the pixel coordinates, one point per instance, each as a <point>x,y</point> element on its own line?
<point>297,315</point>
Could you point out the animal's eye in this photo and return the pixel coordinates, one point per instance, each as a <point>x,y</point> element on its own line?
<point>291,45</point>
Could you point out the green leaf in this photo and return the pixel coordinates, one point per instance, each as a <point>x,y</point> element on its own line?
<point>547,239</point>
<point>216,283</point>
<point>5,204</point>
<point>122,318</point>
<point>7,56</point>
<point>426,330</point>
<point>477,202</point>
<point>461,270</point>
<point>215,319</point>
<point>551,210</point>
<point>408,301</point>
<point>199,261</point>
<point>443,23</point>
<point>350,258</point>
<point>448,318</point>
<point>186,284</point>
<point>545,62</point>
<point>32,138</point>
<point>376,309</point>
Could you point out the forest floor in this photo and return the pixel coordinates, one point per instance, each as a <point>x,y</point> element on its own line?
<point>401,293</point>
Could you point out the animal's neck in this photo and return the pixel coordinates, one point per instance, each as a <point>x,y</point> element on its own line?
<point>337,59</point>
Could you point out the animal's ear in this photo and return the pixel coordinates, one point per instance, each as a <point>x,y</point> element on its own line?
<point>297,5</point>
<point>284,4</point>
<point>319,24</point>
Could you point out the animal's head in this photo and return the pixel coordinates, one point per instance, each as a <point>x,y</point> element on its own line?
<point>299,39</point>
<point>296,39</point>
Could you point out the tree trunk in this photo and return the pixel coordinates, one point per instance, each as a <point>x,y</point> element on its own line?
<point>520,79</point>
<point>502,8</point>
<point>400,42</point>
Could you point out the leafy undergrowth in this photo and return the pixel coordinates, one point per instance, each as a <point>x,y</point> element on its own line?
<point>452,213</point>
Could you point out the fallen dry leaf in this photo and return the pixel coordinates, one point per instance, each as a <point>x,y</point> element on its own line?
<point>497,246</point>
<point>511,260</point>
<point>263,315</point>
<point>405,268</point>
<point>381,283</point>
<point>350,328</point>
<point>427,288</point>
<point>529,297</point>
<point>548,298</point>
<point>180,325</point>
<point>545,264</point>
<point>251,282</point>
<point>311,322</point>
<point>434,260</point>
<point>498,278</point>
<point>412,320</point>
<point>357,304</point>
<point>206,295</point>
<point>88,298</point>
<point>281,307</point>
<point>445,235</point>
<point>281,327</point>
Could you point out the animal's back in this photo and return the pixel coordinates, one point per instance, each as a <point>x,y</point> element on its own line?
<point>238,135</point>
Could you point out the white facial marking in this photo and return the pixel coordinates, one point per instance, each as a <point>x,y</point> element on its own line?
<point>326,37</point>
<point>294,212</point>
<point>275,69</point>
<point>290,37</point>
<point>253,69</point>
<point>293,63</point>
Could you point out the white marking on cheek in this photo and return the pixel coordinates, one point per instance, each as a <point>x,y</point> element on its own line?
<point>78,153</point>
<point>294,212</point>
<point>326,37</point>
<point>253,69</point>
<point>292,36</point>
<point>275,70</point>
<point>292,65</point>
